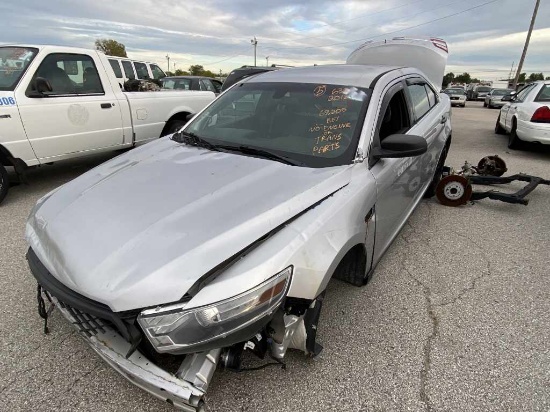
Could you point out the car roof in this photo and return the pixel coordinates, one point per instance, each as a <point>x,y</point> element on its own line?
<point>345,74</point>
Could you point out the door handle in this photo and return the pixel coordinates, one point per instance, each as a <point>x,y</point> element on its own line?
<point>443,119</point>
<point>106,105</point>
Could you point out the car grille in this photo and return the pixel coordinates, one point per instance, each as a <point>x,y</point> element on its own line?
<point>88,324</point>
<point>454,98</point>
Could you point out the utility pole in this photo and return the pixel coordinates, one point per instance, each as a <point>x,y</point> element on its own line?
<point>520,65</point>
<point>267,61</point>
<point>510,75</point>
<point>255,44</point>
<point>168,58</point>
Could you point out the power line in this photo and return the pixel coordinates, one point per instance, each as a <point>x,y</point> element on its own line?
<point>395,31</point>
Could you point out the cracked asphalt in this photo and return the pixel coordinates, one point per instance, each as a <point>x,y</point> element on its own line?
<point>456,317</point>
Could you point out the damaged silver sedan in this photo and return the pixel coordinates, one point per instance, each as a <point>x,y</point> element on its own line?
<point>220,240</point>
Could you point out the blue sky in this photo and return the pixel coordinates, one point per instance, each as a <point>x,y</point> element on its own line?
<point>483,41</point>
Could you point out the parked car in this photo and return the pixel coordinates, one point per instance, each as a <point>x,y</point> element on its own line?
<point>494,98</point>
<point>478,92</point>
<point>192,83</point>
<point>525,116</point>
<point>223,237</point>
<point>126,69</point>
<point>457,96</point>
<point>243,72</point>
<point>64,102</point>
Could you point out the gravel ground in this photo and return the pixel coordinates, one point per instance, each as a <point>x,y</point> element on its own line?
<point>455,318</point>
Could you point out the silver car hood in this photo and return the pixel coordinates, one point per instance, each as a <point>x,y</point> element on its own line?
<point>141,229</point>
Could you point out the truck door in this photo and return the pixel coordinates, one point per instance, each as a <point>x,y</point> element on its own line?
<point>80,113</point>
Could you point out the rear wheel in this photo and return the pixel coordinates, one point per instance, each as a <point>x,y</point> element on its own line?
<point>4,183</point>
<point>498,128</point>
<point>484,104</point>
<point>514,142</point>
<point>173,126</point>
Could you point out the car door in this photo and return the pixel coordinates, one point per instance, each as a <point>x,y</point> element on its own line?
<point>81,112</point>
<point>512,107</point>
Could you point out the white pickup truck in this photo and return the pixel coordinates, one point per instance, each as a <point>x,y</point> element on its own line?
<point>62,102</point>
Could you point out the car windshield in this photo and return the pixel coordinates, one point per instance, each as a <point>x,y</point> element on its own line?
<point>501,92</point>
<point>13,63</point>
<point>483,89</point>
<point>454,91</point>
<point>315,125</point>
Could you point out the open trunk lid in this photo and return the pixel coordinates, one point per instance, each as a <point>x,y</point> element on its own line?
<point>429,55</point>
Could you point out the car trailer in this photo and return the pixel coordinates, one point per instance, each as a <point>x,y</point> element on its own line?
<point>455,187</point>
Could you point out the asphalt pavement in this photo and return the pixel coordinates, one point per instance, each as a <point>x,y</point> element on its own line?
<point>456,317</point>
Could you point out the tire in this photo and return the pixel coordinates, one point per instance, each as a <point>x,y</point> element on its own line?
<point>172,127</point>
<point>352,267</point>
<point>484,104</point>
<point>464,105</point>
<point>4,183</point>
<point>430,192</point>
<point>514,142</point>
<point>498,128</point>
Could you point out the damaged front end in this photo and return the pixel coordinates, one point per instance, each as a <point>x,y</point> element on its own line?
<point>172,352</point>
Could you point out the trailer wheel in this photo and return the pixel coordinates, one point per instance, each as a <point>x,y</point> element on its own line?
<point>453,190</point>
<point>4,183</point>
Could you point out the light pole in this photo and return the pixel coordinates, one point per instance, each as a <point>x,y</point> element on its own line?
<point>520,65</point>
<point>174,63</point>
<point>255,44</point>
<point>267,61</point>
<point>168,58</point>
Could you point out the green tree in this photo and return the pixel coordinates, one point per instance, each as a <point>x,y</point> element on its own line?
<point>196,70</point>
<point>111,47</point>
<point>448,78</point>
<point>463,78</point>
<point>548,78</point>
<point>180,72</point>
<point>536,76</point>
<point>522,77</point>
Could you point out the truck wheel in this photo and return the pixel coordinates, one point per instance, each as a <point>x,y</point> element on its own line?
<point>4,183</point>
<point>498,128</point>
<point>172,127</point>
<point>514,142</point>
<point>430,192</point>
<point>352,267</point>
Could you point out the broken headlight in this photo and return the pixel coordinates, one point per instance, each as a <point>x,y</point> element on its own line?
<point>174,328</point>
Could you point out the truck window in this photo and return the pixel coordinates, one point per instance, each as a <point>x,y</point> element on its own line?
<point>128,69</point>
<point>141,70</point>
<point>206,85</point>
<point>157,72</point>
<point>13,64</point>
<point>69,74</point>
<point>116,68</point>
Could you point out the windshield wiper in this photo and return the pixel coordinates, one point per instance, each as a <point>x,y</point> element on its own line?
<point>193,140</point>
<point>265,154</point>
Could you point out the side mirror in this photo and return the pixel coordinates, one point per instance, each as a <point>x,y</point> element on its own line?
<point>401,145</point>
<point>39,87</point>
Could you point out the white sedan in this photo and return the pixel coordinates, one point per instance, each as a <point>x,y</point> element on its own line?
<point>526,115</point>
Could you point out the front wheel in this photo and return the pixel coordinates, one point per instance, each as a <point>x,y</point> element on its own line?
<point>514,142</point>
<point>484,104</point>
<point>4,183</point>
<point>498,128</point>
<point>430,192</point>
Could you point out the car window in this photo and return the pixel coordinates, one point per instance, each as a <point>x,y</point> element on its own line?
<point>128,69</point>
<point>419,98</point>
<point>315,124</point>
<point>74,74</point>
<point>157,72</point>
<point>14,61</point>
<point>432,98</point>
<point>395,119</point>
<point>522,94</point>
<point>217,85</point>
<point>116,68</point>
<point>544,94</point>
<point>141,70</point>
<point>207,85</point>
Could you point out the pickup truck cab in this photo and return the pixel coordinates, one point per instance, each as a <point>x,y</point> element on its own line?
<point>61,102</point>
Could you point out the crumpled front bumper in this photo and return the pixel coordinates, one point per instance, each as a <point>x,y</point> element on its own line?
<point>185,390</point>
